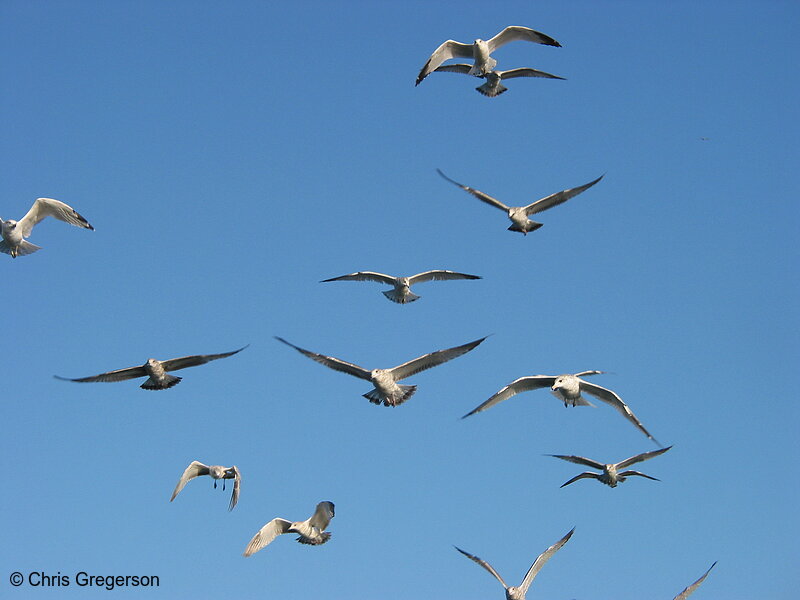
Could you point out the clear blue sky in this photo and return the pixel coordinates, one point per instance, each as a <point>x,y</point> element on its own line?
<point>231,155</point>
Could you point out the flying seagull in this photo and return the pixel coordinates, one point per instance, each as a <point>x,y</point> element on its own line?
<point>611,475</point>
<point>688,591</point>
<point>14,231</point>
<point>480,50</point>
<point>567,388</point>
<point>518,592</point>
<point>493,86</point>
<point>156,370</point>
<point>197,469</point>
<point>401,293</point>
<point>387,391</point>
<point>311,531</point>
<point>519,214</point>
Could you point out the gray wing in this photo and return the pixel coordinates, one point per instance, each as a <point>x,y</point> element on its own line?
<point>184,362</point>
<point>439,275</point>
<point>477,193</point>
<point>637,473</point>
<point>515,32</point>
<point>47,207</point>
<point>558,198</point>
<point>118,375</point>
<point>455,68</point>
<point>541,560</point>
<point>640,457</point>
<point>266,534</point>
<point>195,469</point>
<point>331,362</point>
<point>449,49</point>
<point>579,460</point>
<point>523,384</point>
<point>431,360</point>
<point>237,486</point>
<point>584,475</point>
<point>688,591</point>
<point>363,276</point>
<point>611,398</point>
<point>525,72</point>
<point>585,373</point>
<point>322,516</point>
<point>484,564</point>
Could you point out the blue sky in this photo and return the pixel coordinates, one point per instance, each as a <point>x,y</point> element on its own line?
<point>232,155</point>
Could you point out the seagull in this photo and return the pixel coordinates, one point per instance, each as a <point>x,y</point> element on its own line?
<point>311,531</point>
<point>156,369</point>
<point>688,591</point>
<point>611,475</point>
<point>387,391</point>
<point>401,293</point>
<point>196,468</point>
<point>519,214</point>
<point>518,592</point>
<point>567,388</point>
<point>14,231</point>
<point>493,86</point>
<point>480,50</point>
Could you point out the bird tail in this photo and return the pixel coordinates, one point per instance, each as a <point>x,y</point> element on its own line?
<point>316,541</point>
<point>376,397</point>
<point>399,298</point>
<point>169,381</point>
<point>491,90</point>
<point>527,228</point>
<point>23,249</point>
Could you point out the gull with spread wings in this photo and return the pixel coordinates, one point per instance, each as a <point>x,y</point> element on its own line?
<point>311,531</point>
<point>14,232</point>
<point>518,592</point>
<point>519,214</point>
<point>196,469</point>
<point>401,294</point>
<point>611,474</point>
<point>155,371</point>
<point>387,390</point>
<point>493,86</point>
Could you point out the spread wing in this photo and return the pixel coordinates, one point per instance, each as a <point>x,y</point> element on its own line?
<point>515,32</point>
<point>439,275</point>
<point>322,516</point>
<point>195,469</point>
<point>266,534</point>
<point>523,384</point>
<point>579,460</point>
<point>449,49</point>
<point>237,486</point>
<point>363,276</point>
<point>477,193</point>
<point>584,475</point>
<point>558,198</point>
<point>175,364</point>
<point>455,68</point>
<point>431,360</point>
<point>118,375</point>
<point>331,362</point>
<point>640,457</point>
<point>611,398</point>
<point>637,473</point>
<point>541,560</point>
<point>484,564</point>
<point>525,72</point>
<point>47,207</point>
<point>688,591</point>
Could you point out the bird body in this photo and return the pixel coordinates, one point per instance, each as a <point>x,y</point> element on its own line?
<point>402,294</point>
<point>13,232</point>
<point>311,531</point>
<point>216,472</point>
<point>611,474</point>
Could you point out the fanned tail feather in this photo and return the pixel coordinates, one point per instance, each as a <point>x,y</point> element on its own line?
<point>152,384</point>
<point>376,397</point>
<point>527,228</point>
<point>323,537</point>
<point>24,248</point>
<point>491,90</point>
<point>399,298</point>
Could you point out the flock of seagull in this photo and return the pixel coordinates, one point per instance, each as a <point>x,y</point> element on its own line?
<point>386,389</point>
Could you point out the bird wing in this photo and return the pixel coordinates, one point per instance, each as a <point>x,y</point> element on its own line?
<point>183,362</point>
<point>640,457</point>
<point>47,207</point>
<point>525,72</point>
<point>687,592</point>
<point>541,560</point>
<point>455,68</point>
<point>237,486</point>
<point>584,475</point>
<point>515,32</point>
<point>523,384</point>
<point>611,398</point>
<point>449,49</point>
<point>431,360</point>
<point>195,469</point>
<point>484,564</point>
<point>322,516</point>
<point>439,275</point>
<point>628,473</point>
<point>579,460</point>
<point>363,276</point>
<point>585,373</point>
<point>266,534</point>
<point>557,198</point>
<point>118,375</point>
<point>331,362</point>
<point>477,193</point>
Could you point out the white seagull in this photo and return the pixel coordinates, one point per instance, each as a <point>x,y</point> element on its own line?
<point>519,214</point>
<point>611,474</point>
<point>401,293</point>
<point>311,531</point>
<point>196,469</point>
<point>567,388</point>
<point>688,591</point>
<point>480,50</point>
<point>14,231</point>
<point>387,390</point>
<point>518,592</point>
<point>155,370</point>
<point>493,86</point>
